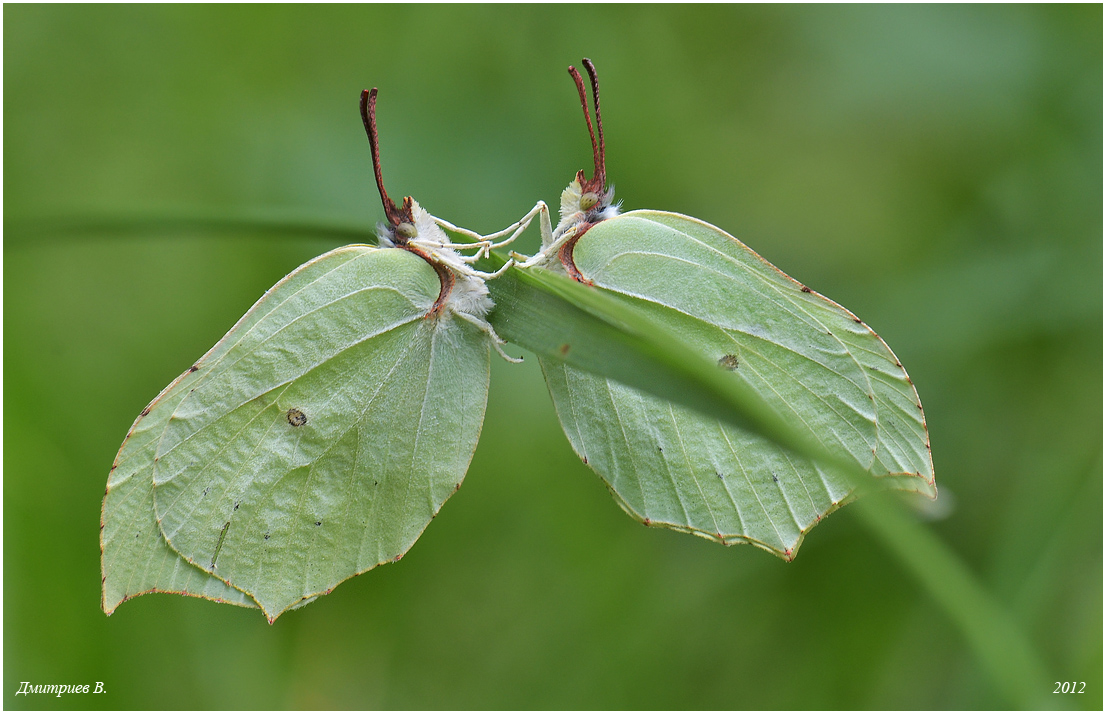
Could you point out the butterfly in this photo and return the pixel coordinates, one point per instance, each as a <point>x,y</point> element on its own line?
<point>321,435</point>
<point>814,363</point>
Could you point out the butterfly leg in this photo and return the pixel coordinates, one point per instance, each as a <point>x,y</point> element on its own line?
<point>545,255</point>
<point>496,274</point>
<point>479,242</point>
<point>446,225</point>
<point>461,264</point>
<point>488,243</point>
<point>550,243</point>
<point>434,248</point>
<point>487,328</point>
<point>539,209</point>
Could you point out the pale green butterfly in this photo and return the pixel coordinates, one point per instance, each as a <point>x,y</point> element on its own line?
<point>814,362</point>
<point>319,437</point>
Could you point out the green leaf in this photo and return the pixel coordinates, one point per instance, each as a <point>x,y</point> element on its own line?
<point>818,396</point>
<point>319,437</point>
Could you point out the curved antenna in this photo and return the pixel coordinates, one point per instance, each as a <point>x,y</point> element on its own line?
<point>368,115</point>
<point>601,164</point>
<point>599,173</point>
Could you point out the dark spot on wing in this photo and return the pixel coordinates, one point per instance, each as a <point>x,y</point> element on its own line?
<point>266,536</point>
<point>236,504</point>
<point>775,479</point>
<point>145,411</point>
<point>806,289</point>
<point>296,417</point>
<point>318,523</point>
<point>728,362</point>
<point>194,368</point>
<point>564,349</point>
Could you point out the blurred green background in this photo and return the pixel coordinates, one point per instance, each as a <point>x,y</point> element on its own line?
<point>938,170</point>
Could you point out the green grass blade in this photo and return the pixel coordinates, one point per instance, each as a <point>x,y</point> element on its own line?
<point>275,222</point>
<point>543,312</point>
<point>999,644</point>
<point>556,317</point>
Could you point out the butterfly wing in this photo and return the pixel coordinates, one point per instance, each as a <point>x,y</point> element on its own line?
<point>809,358</point>
<point>324,432</point>
<point>135,559</point>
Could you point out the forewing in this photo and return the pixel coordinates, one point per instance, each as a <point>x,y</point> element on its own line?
<point>326,438</point>
<point>902,438</point>
<point>135,559</point>
<point>812,360</point>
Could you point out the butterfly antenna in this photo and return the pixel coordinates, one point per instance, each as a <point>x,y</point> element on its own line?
<point>368,115</point>
<point>601,154</point>
<point>587,117</point>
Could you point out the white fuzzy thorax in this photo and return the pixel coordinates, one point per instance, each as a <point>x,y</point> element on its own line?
<point>469,294</point>
<point>573,213</point>
<point>468,298</point>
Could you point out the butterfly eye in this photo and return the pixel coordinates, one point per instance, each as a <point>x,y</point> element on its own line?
<point>588,201</point>
<point>407,230</point>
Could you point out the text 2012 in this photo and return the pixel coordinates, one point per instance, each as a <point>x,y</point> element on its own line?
<point>1070,687</point>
